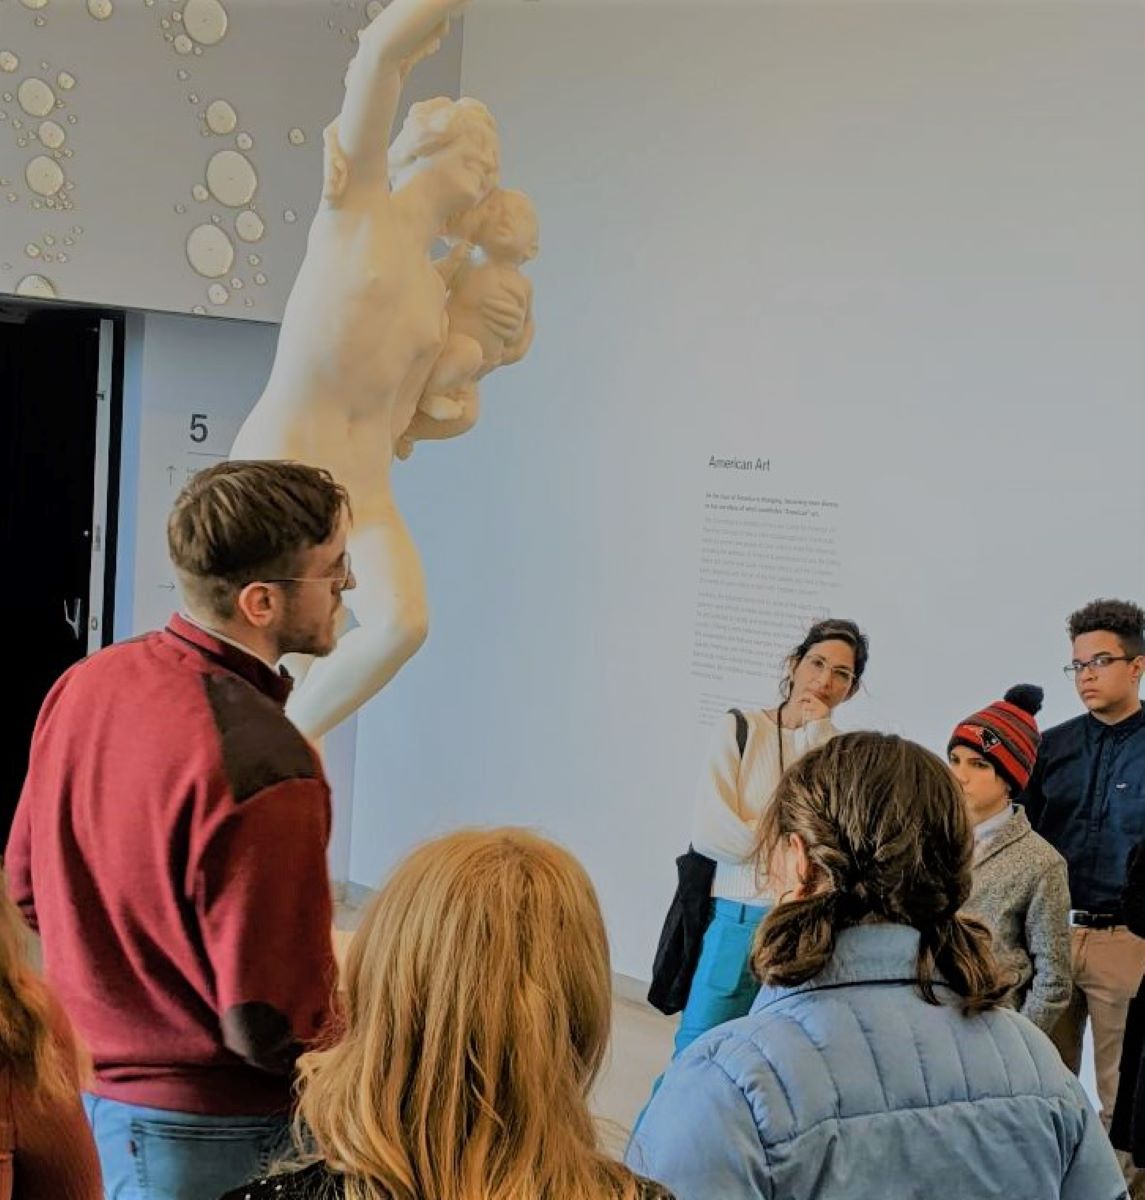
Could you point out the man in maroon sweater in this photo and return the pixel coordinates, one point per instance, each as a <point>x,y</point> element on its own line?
<point>170,841</point>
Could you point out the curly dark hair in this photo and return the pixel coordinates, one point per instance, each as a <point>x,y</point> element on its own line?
<point>888,838</point>
<point>1124,619</point>
<point>832,629</point>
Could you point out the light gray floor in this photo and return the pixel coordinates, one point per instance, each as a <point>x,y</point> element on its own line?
<point>640,1050</point>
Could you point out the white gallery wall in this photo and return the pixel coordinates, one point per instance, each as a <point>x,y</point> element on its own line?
<point>862,277</point>
<point>189,384</point>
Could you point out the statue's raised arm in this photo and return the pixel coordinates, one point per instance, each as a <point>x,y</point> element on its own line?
<point>402,34</point>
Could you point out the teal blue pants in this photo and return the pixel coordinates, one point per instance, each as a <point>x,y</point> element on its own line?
<point>723,986</point>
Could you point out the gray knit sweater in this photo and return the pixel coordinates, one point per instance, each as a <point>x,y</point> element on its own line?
<point>1022,891</point>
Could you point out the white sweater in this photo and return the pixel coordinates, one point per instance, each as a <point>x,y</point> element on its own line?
<point>733,793</point>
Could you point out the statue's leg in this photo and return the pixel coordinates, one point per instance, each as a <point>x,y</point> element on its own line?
<point>390,607</point>
<point>441,406</point>
<point>426,429</point>
<point>457,366</point>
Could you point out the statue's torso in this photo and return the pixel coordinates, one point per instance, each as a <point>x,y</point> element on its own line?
<point>363,327</point>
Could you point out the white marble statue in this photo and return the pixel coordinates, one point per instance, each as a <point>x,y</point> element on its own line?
<point>364,325</point>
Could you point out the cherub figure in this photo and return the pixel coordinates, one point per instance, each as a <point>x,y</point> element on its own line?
<point>492,242</point>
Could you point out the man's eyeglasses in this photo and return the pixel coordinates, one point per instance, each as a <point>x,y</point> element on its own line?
<point>340,581</point>
<point>1097,663</point>
<point>841,675</point>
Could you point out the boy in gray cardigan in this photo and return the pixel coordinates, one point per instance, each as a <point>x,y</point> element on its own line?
<point>1020,886</point>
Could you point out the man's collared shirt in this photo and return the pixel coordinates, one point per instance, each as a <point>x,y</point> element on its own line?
<point>1086,797</point>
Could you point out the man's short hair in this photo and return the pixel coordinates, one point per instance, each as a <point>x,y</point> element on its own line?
<point>1122,618</point>
<point>237,522</point>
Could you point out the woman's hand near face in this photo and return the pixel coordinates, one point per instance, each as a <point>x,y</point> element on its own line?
<point>811,708</point>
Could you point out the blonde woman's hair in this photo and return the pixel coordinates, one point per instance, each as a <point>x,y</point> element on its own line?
<point>888,839</point>
<point>478,1005</point>
<point>36,1043</point>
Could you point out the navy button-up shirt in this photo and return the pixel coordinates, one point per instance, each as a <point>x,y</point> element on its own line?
<point>1086,797</point>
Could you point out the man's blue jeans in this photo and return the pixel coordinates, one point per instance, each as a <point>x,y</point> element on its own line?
<point>153,1154</point>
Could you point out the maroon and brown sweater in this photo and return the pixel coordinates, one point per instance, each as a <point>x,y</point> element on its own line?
<point>170,847</point>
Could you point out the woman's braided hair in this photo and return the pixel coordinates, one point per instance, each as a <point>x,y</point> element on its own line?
<point>888,840</point>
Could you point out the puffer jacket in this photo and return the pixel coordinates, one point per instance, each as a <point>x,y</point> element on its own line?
<point>851,1087</point>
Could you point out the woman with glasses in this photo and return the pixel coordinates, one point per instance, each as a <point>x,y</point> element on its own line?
<point>823,671</point>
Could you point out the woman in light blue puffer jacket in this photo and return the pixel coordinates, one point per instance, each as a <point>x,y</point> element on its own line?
<point>876,1062</point>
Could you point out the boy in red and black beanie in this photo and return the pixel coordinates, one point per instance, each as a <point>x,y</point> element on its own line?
<point>1020,883</point>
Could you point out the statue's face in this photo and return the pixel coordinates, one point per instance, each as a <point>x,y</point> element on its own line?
<point>511,229</point>
<point>465,172</point>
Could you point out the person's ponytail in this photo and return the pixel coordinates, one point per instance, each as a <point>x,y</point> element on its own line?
<point>884,837</point>
<point>959,953</point>
<point>796,940</point>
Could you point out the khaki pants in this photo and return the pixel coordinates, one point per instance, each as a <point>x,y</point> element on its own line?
<point>1107,968</point>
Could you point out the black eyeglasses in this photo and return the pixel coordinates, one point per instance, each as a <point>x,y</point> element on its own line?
<point>1097,663</point>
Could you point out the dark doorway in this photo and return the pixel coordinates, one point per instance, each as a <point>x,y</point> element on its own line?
<point>59,437</point>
